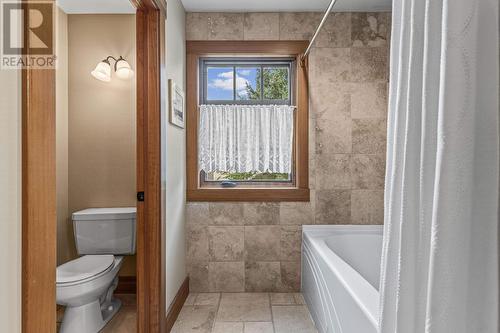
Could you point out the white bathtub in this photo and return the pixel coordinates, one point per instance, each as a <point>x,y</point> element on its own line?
<point>340,276</point>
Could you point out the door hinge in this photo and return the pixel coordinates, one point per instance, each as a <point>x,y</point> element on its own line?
<point>140,196</point>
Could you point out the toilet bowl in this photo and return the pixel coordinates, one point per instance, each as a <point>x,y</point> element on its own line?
<point>85,285</point>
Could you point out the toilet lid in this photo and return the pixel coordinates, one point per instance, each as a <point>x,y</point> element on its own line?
<point>83,268</point>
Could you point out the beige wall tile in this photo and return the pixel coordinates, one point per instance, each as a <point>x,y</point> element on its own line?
<point>329,100</point>
<point>197,242</point>
<point>369,64</point>
<point>331,64</point>
<point>198,275</point>
<point>336,32</point>
<point>369,136</point>
<point>196,26</point>
<point>369,100</point>
<point>367,207</point>
<point>333,207</point>
<point>291,242</point>
<point>290,276</point>
<point>225,213</point>
<point>225,26</point>
<point>333,136</point>
<point>312,157</point>
<point>261,26</point>
<point>262,276</point>
<point>262,243</point>
<point>261,213</point>
<point>348,106</point>
<point>368,171</point>
<point>225,243</point>
<point>226,276</point>
<point>369,29</point>
<point>244,307</point>
<point>197,213</point>
<point>298,26</point>
<point>296,213</point>
<point>333,171</point>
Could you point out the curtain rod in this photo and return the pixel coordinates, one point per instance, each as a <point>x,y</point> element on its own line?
<point>323,21</point>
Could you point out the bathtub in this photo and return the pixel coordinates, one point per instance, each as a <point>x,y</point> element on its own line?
<point>340,276</point>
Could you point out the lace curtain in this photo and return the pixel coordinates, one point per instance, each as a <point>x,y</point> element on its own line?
<point>246,138</point>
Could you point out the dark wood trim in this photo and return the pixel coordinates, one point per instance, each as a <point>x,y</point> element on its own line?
<point>197,49</point>
<point>286,48</point>
<point>191,121</point>
<point>177,303</point>
<point>126,285</point>
<point>247,195</point>
<point>302,124</point>
<point>38,303</point>
<point>150,34</point>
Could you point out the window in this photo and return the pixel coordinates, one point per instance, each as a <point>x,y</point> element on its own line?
<point>243,81</point>
<point>264,81</point>
<point>246,122</point>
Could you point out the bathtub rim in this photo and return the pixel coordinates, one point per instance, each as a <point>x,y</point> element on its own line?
<point>362,292</point>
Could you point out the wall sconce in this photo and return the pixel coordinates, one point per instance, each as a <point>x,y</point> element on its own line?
<point>122,69</point>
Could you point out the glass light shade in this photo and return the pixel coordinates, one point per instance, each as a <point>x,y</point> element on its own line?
<point>102,71</point>
<point>123,70</point>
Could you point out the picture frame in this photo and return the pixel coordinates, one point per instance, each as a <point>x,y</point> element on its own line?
<point>176,104</point>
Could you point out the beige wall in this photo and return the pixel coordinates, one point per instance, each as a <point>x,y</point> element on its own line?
<point>173,157</point>
<point>256,246</point>
<point>102,126</point>
<point>65,243</point>
<point>10,201</point>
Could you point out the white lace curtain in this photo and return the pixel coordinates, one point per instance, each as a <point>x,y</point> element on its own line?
<point>246,138</point>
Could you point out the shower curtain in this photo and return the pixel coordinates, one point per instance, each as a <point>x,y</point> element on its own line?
<point>440,251</point>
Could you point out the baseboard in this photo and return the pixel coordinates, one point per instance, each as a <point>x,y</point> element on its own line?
<point>176,306</point>
<point>126,285</point>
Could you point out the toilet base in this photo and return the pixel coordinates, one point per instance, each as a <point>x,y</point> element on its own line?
<point>89,318</point>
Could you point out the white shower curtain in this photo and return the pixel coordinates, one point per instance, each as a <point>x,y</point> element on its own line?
<point>440,251</point>
<point>246,138</point>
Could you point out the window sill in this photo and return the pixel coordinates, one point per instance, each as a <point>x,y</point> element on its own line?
<point>248,194</point>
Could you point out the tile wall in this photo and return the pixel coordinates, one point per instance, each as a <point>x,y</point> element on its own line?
<point>236,247</point>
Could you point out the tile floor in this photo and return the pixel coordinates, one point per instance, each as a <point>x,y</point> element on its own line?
<point>244,313</point>
<point>123,322</point>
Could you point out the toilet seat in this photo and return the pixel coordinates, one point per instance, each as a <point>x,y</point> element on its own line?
<point>84,268</point>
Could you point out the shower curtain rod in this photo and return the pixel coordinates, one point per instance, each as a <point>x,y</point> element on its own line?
<point>323,20</point>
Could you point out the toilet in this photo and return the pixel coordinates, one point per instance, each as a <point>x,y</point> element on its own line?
<point>85,285</point>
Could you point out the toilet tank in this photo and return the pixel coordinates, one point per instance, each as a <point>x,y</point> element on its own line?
<point>105,230</point>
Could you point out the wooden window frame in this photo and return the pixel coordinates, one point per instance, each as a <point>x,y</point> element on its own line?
<point>201,49</point>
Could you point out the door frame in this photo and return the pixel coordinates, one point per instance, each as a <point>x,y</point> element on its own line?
<point>38,262</point>
<point>150,46</point>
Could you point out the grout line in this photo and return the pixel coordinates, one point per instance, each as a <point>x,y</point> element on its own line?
<point>271,309</point>
<point>216,312</point>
